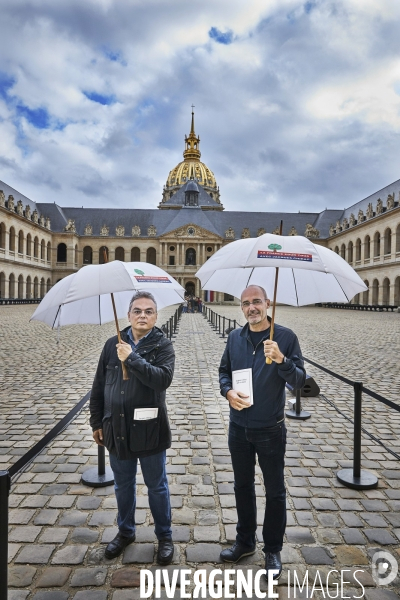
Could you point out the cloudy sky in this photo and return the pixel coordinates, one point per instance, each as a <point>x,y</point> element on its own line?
<point>297,104</point>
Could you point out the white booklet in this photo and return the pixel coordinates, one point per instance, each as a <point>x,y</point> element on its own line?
<point>242,381</point>
<point>144,414</point>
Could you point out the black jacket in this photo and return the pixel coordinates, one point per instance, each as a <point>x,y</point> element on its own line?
<point>113,401</point>
<point>268,380</point>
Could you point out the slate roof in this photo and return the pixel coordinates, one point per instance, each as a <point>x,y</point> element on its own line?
<point>8,190</point>
<point>392,188</point>
<point>178,199</point>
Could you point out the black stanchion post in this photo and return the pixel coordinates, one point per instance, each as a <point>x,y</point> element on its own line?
<point>234,323</point>
<point>223,327</point>
<point>4,493</point>
<point>99,476</point>
<point>297,412</point>
<point>356,478</point>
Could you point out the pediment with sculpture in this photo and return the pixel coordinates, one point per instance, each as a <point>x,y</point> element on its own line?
<point>190,232</point>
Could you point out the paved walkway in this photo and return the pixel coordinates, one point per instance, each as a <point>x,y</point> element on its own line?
<point>58,528</point>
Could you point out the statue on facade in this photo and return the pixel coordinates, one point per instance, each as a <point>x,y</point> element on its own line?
<point>331,230</point>
<point>151,231</point>
<point>277,230</point>
<point>360,217</point>
<point>27,212</point>
<point>41,221</point>
<point>20,208</point>
<point>352,220</point>
<point>120,230</point>
<point>370,211</point>
<point>10,202</point>
<point>379,207</point>
<point>311,232</point>
<point>293,231</point>
<point>35,216</point>
<point>135,231</point>
<point>345,223</point>
<point>104,230</point>
<point>47,223</point>
<point>2,198</point>
<point>261,231</point>
<point>70,226</point>
<point>246,232</point>
<point>338,226</point>
<point>229,233</point>
<point>390,202</point>
<point>88,230</point>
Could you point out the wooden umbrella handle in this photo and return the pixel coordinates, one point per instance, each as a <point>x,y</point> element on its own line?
<point>268,360</point>
<point>125,374</point>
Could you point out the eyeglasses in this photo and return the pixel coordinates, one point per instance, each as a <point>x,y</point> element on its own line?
<point>149,312</point>
<point>256,302</point>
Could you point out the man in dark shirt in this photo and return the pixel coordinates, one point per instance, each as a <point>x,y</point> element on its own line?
<point>259,428</point>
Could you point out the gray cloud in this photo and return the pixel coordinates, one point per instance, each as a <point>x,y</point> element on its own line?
<point>296,108</point>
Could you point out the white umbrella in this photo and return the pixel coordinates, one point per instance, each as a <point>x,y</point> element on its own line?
<point>98,294</point>
<point>309,273</point>
<point>85,296</point>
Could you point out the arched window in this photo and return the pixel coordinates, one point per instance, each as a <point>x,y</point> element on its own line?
<point>135,254</point>
<point>367,247</point>
<point>120,253</point>
<point>42,288</point>
<point>343,251</point>
<point>11,241</point>
<point>48,254</point>
<point>43,250</point>
<point>337,249</point>
<point>190,256</point>
<point>397,291</point>
<point>36,247</point>
<point>387,241</point>
<point>61,253</point>
<point>29,245</point>
<point>366,293</point>
<point>103,255</point>
<point>2,235</point>
<point>28,287</point>
<point>76,254</point>
<point>20,287</point>
<point>48,285</point>
<point>377,244</point>
<point>151,256</point>
<point>350,253</point>
<point>36,288</point>
<point>87,255</point>
<point>11,288</point>
<point>358,249</point>
<point>398,238</point>
<point>386,291</point>
<point>20,242</point>
<point>2,285</point>
<point>375,291</point>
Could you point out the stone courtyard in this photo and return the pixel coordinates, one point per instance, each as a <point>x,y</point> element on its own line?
<point>59,528</point>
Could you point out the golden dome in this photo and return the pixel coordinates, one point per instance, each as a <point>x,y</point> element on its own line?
<point>191,168</point>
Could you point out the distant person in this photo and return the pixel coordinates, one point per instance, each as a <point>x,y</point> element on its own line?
<point>200,305</point>
<point>130,419</point>
<point>259,429</point>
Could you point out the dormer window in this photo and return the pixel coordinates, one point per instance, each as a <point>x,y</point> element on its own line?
<point>191,194</point>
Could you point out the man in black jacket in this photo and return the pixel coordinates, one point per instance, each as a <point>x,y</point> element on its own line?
<point>259,428</point>
<point>129,417</point>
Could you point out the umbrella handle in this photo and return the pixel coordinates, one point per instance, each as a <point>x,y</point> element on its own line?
<point>268,360</point>
<point>125,374</point>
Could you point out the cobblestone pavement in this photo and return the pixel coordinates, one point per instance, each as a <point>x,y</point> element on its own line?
<point>58,528</point>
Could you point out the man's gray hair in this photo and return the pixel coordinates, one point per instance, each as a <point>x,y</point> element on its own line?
<point>138,295</point>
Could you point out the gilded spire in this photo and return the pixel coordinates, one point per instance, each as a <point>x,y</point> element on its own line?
<point>192,143</point>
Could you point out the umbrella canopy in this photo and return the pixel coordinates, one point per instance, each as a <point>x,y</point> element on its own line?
<point>85,296</point>
<point>309,273</point>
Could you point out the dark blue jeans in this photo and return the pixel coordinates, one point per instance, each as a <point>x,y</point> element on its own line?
<point>269,443</point>
<point>155,478</point>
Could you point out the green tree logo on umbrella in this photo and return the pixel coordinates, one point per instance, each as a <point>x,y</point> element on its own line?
<point>275,247</point>
<point>139,272</point>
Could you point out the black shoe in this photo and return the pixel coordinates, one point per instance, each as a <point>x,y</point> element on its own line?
<point>165,552</point>
<point>273,561</point>
<point>117,545</point>
<point>232,555</point>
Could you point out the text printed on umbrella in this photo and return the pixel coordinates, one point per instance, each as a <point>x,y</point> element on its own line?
<point>284,255</point>
<point>151,279</point>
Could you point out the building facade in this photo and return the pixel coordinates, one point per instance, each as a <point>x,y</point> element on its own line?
<point>40,243</point>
